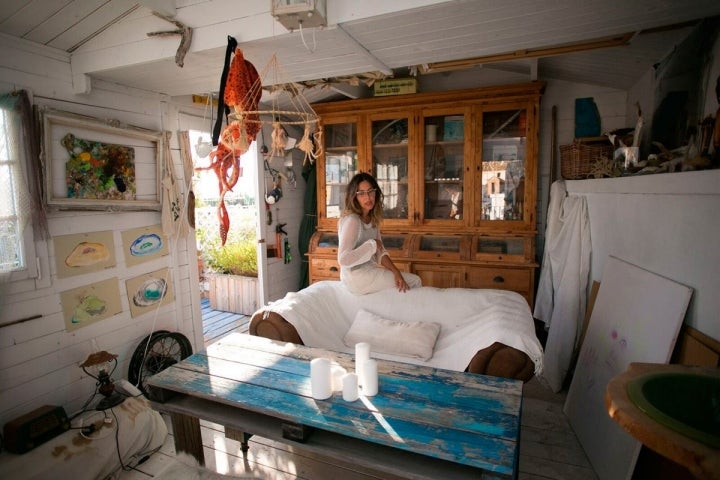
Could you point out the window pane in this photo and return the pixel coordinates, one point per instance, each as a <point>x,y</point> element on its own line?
<point>11,240</point>
<point>10,246</point>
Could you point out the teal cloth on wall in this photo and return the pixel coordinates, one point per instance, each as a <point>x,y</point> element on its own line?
<point>587,118</point>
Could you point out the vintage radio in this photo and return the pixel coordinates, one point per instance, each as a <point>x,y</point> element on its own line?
<point>35,428</point>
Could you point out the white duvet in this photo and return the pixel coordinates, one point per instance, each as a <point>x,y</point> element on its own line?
<point>470,319</point>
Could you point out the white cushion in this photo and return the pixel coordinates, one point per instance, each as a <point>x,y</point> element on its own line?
<point>410,339</point>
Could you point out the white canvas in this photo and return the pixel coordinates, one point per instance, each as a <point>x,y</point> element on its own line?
<point>636,318</point>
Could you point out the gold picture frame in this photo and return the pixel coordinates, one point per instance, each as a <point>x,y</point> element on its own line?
<point>93,164</point>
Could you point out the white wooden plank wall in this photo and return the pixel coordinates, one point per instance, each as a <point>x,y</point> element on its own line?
<point>612,105</point>
<point>282,277</point>
<point>38,358</point>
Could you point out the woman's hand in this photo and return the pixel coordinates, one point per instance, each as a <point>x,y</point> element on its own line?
<point>400,283</point>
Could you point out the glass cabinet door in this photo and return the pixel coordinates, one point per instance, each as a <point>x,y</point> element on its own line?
<point>341,163</point>
<point>504,144</point>
<point>389,142</point>
<point>443,166</point>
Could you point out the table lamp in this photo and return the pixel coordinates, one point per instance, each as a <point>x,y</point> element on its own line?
<point>100,366</point>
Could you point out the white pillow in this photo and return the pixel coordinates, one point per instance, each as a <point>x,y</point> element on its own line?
<point>409,339</point>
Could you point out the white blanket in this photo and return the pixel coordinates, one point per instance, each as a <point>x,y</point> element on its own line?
<point>471,319</point>
<point>136,430</point>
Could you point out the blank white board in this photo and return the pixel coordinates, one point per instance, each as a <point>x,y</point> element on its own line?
<point>636,318</point>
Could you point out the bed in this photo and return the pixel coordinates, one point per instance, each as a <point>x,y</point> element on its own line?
<point>488,332</point>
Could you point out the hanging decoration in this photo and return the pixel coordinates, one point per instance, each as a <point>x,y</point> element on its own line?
<point>287,106</point>
<point>241,89</point>
<point>237,136</point>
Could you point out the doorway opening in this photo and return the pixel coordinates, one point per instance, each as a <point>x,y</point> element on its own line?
<point>241,204</point>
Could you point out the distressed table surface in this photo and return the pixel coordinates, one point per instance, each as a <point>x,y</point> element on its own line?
<point>468,424</point>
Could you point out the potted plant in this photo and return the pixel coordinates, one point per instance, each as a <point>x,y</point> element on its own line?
<point>232,270</point>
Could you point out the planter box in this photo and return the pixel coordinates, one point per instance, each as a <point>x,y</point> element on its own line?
<point>233,293</point>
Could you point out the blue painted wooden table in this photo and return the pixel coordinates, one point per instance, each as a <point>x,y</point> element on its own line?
<point>423,423</point>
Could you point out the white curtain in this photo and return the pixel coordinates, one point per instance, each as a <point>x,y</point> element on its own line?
<point>562,290</point>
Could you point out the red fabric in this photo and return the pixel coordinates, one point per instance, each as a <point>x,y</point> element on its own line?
<point>243,90</point>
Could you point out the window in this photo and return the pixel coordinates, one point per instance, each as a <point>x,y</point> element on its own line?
<point>17,252</point>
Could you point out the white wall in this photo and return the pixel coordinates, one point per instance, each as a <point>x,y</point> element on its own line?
<point>664,223</point>
<point>611,106</point>
<point>38,357</point>
<point>281,277</point>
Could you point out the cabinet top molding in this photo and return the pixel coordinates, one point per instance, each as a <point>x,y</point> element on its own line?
<point>496,94</point>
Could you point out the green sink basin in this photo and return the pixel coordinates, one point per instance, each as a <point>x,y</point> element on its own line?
<point>688,403</point>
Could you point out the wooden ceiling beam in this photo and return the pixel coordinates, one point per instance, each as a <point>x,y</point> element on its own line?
<point>607,42</point>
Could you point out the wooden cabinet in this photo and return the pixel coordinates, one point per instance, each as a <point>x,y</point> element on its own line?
<point>459,166</point>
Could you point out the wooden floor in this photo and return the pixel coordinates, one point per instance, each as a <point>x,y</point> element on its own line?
<point>548,446</point>
<point>217,324</point>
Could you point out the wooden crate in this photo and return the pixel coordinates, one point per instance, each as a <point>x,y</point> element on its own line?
<point>233,293</point>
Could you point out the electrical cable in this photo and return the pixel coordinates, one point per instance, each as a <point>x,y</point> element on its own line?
<point>302,37</point>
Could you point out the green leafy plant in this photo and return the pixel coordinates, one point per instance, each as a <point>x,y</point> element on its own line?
<point>237,257</point>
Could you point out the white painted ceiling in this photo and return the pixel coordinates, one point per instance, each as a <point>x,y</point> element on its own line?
<point>107,39</point>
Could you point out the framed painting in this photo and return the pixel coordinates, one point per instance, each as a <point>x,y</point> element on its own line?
<point>91,164</point>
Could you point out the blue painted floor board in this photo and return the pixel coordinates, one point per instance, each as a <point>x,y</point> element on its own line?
<point>217,324</point>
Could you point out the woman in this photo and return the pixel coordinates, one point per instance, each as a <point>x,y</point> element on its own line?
<point>365,265</point>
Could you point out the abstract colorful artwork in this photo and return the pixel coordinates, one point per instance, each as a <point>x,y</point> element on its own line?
<point>82,253</point>
<point>144,244</point>
<point>149,291</point>
<point>99,170</point>
<point>91,303</point>
<point>100,164</point>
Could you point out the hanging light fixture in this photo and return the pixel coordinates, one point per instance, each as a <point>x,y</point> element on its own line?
<point>100,366</point>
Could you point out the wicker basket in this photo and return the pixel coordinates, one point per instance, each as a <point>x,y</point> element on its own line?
<point>578,158</point>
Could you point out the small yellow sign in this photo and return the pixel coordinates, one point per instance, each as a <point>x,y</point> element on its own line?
<point>395,86</point>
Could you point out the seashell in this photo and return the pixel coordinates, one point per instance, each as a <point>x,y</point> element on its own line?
<point>87,253</point>
<point>146,245</point>
<point>150,292</point>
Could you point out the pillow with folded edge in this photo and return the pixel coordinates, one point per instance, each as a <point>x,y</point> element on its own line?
<point>409,339</point>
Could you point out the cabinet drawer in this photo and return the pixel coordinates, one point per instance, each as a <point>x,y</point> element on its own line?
<point>518,280</point>
<point>325,267</point>
<point>439,275</point>
<point>314,279</point>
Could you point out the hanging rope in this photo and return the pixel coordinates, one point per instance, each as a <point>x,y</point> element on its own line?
<point>300,113</point>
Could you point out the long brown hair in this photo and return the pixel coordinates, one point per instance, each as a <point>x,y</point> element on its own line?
<point>353,206</point>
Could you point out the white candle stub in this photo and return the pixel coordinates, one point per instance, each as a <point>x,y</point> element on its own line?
<point>370,380</point>
<point>337,373</point>
<point>350,387</point>
<point>362,354</point>
<point>320,378</point>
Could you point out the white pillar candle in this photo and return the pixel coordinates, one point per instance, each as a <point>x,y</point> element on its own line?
<point>320,378</point>
<point>350,387</point>
<point>362,354</point>
<point>337,372</point>
<point>370,380</point>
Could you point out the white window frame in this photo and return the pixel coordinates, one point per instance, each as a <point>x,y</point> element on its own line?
<point>31,267</point>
